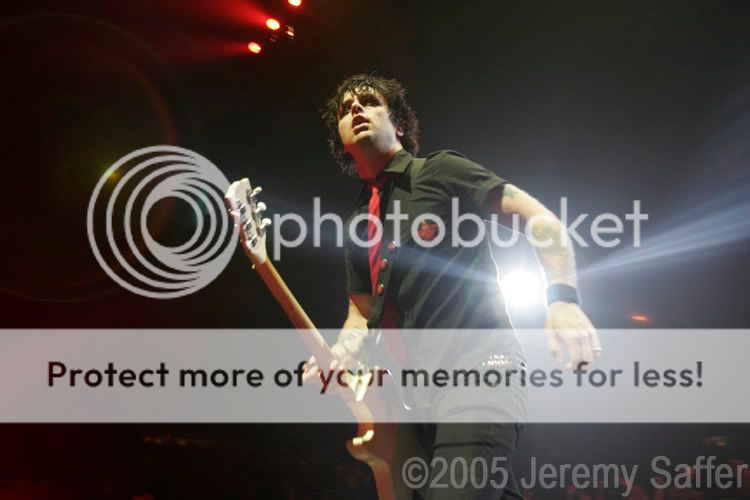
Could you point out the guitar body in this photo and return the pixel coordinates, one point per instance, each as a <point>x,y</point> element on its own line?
<point>375,444</point>
<point>385,454</point>
<point>385,447</point>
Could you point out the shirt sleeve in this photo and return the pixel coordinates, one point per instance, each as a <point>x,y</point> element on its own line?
<point>478,189</point>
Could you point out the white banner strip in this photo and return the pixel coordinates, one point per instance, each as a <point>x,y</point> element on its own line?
<point>681,376</point>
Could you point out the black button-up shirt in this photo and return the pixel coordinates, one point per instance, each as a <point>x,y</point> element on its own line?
<point>441,285</point>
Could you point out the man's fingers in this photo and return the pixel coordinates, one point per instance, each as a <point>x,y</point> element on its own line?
<point>314,375</point>
<point>568,323</point>
<point>310,369</point>
<point>310,375</point>
<point>586,348</point>
<point>596,344</point>
<point>310,364</point>
<point>577,351</point>
<point>554,344</point>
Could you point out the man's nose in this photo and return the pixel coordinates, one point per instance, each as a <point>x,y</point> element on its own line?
<point>356,107</point>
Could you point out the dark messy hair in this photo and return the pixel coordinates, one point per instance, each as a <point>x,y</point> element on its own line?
<point>399,110</point>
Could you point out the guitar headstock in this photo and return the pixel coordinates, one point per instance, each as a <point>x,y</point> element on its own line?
<point>246,210</point>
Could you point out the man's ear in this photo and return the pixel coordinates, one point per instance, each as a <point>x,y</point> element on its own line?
<point>399,132</point>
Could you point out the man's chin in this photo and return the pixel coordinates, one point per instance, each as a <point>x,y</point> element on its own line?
<point>362,133</point>
<point>363,139</point>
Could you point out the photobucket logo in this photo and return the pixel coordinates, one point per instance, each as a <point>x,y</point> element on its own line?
<point>143,178</point>
<point>542,230</point>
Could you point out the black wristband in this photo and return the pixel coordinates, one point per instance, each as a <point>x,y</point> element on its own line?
<point>562,293</point>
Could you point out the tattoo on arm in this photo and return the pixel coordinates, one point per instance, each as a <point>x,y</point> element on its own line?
<point>554,250</point>
<point>510,190</point>
<point>546,233</point>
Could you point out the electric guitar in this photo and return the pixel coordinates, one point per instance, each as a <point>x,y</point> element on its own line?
<point>374,443</point>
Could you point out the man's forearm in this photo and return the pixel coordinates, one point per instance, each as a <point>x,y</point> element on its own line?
<point>546,233</point>
<point>554,249</point>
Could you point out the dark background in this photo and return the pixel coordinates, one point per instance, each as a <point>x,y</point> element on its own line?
<point>601,103</point>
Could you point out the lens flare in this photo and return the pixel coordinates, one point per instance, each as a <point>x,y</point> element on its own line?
<point>522,289</point>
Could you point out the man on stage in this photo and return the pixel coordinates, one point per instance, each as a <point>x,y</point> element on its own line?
<point>424,281</point>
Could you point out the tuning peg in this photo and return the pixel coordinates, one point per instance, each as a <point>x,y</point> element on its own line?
<point>248,226</point>
<point>241,207</point>
<point>255,192</point>
<point>260,206</point>
<point>265,223</point>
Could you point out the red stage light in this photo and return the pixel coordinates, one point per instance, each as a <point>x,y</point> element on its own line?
<point>639,317</point>
<point>273,24</point>
<point>295,3</point>
<point>254,47</point>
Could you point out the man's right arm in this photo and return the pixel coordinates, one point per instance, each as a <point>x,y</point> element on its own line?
<point>351,344</point>
<point>359,310</point>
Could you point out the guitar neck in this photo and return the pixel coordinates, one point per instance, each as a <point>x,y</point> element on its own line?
<point>299,318</point>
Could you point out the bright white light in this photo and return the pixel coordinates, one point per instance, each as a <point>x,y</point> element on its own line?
<point>522,289</point>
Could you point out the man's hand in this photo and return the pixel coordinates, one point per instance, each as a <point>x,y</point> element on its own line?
<point>555,252</point>
<point>569,323</point>
<point>350,346</point>
<point>342,359</point>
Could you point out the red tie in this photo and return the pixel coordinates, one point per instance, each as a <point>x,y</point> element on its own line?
<point>389,317</point>
<point>374,250</point>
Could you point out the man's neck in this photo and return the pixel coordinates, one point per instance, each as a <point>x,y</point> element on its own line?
<point>371,163</point>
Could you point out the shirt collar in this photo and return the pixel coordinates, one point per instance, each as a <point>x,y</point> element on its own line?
<point>396,167</point>
<point>398,164</point>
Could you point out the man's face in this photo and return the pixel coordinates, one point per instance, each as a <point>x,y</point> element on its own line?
<point>364,122</point>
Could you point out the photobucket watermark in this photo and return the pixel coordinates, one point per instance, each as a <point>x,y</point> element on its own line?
<point>132,188</point>
<point>465,229</point>
<point>135,259</point>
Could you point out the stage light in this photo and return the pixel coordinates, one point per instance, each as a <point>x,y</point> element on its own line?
<point>640,318</point>
<point>522,289</point>
<point>273,24</point>
<point>295,3</point>
<point>254,47</point>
